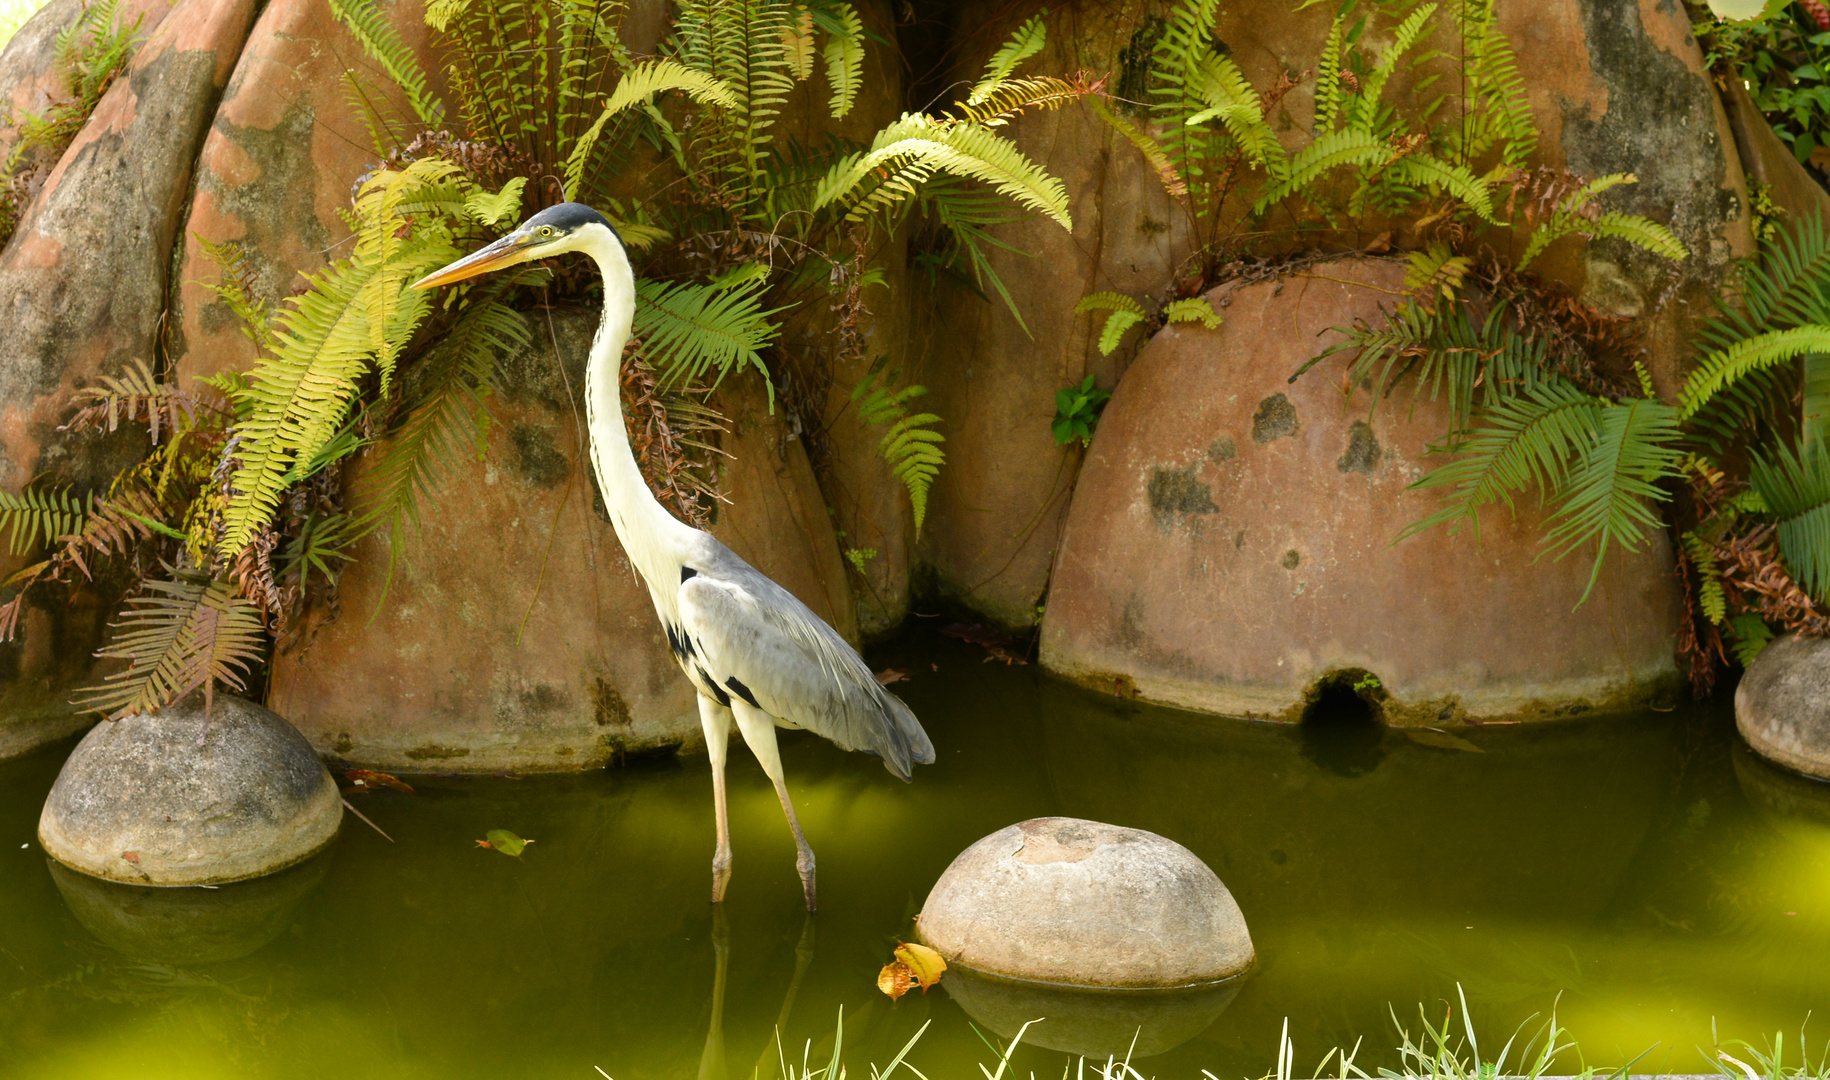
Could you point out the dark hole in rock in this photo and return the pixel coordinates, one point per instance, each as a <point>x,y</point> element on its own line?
<point>1341,729</point>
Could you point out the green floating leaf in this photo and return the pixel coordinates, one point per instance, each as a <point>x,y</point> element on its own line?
<point>504,841</point>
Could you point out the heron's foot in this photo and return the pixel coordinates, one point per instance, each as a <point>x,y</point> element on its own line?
<point>805,865</point>
<point>721,875</point>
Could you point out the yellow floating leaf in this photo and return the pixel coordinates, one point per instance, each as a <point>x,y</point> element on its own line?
<point>926,965</point>
<point>895,979</point>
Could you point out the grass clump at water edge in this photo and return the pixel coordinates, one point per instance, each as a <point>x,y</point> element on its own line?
<point>1439,1053</point>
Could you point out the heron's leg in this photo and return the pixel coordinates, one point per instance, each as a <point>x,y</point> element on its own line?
<point>758,729</point>
<point>716,720</point>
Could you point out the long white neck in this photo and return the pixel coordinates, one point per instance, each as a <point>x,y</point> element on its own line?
<point>650,535</point>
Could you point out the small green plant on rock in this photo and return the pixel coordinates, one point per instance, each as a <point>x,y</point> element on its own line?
<point>1077,410</point>
<point>91,53</point>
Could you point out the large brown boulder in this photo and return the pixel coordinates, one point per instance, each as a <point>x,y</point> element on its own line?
<point>83,288</point>
<point>1230,546</point>
<point>515,634</point>
<point>1620,86</point>
<point>1614,85</point>
<point>280,160</point>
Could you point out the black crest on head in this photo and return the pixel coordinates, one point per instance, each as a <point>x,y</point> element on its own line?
<point>568,216</point>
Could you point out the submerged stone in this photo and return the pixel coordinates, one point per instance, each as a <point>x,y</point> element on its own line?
<point>1782,705</point>
<point>188,926</point>
<point>178,798</point>
<point>1084,904</point>
<point>1094,1024</point>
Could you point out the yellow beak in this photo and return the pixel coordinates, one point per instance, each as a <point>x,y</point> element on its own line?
<point>508,251</point>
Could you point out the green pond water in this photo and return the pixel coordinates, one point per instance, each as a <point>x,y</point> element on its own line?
<point>1643,867</point>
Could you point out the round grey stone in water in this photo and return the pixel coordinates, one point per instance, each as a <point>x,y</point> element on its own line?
<point>1783,704</point>
<point>1080,903</point>
<point>172,799</point>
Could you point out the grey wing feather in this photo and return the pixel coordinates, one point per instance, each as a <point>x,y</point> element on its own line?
<point>793,665</point>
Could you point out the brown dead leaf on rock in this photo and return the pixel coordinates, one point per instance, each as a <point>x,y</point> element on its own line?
<point>891,675</point>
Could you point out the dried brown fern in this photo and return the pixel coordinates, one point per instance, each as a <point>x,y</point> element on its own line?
<point>672,434</point>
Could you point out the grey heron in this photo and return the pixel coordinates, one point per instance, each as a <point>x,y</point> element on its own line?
<point>751,650</point>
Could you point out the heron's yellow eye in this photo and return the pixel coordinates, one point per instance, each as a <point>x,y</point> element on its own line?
<point>546,231</point>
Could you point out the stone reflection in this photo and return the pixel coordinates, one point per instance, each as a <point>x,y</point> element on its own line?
<point>1093,1024</point>
<point>188,925</point>
<point>1781,794</point>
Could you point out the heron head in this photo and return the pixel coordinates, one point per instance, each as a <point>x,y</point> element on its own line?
<point>553,231</point>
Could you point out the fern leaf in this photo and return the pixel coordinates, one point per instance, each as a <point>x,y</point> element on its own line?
<point>1436,274</point>
<point>637,86</point>
<point>1330,151</point>
<point>905,153</point>
<point>371,28</point>
<point>1723,367</point>
<point>1606,495</point>
<point>1709,577</point>
<point>844,56</point>
<point>1796,489</point>
<point>1521,442</point>
<point>38,516</point>
<point>1025,43</point>
<point>688,330</point>
<point>1457,180</point>
<point>180,635</point>
<point>1194,309</point>
<point>1328,81</point>
<point>1372,88</point>
<point>1151,149</point>
<point>1642,232</point>
<point>1219,85</point>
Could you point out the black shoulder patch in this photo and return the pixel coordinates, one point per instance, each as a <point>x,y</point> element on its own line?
<point>741,690</point>
<point>687,573</point>
<point>718,693</point>
<point>678,641</point>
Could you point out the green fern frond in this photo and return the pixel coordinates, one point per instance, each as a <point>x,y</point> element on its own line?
<point>1218,84</point>
<point>1605,497</point>
<point>1332,150</point>
<point>1328,81</point>
<point>1519,443</point>
<point>1438,175</point>
<point>1124,313</point>
<point>1194,309</point>
<point>1025,43</point>
<point>39,516</point>
<point>909,151</point>
<point>1642,232</point>
<point>236,289</point>
<point>637,86</point>
<point>1709,577</point>
<point>1015,96</point>
<point>180,635</point>
<point>1724,367</point>
<point>377,36</point>
<point>445,418</point>
<point>1435,273</point>
<point>1796,490</point>
<point>911,450</point>
<point>688,330</point>
<point>1147,145</point>
<point>356,317</point>
<point>844,57</point>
